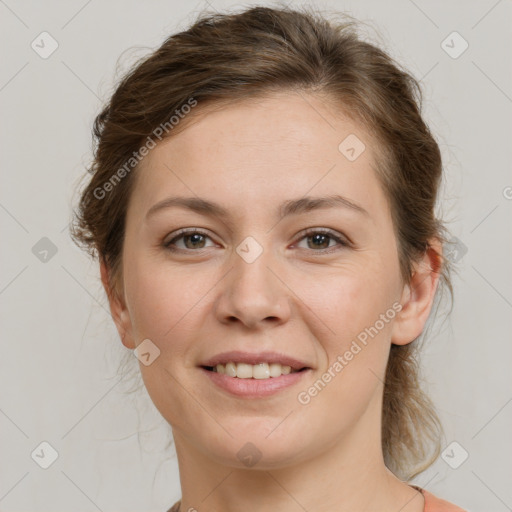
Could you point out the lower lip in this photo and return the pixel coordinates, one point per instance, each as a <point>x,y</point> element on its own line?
<point>255,388</point>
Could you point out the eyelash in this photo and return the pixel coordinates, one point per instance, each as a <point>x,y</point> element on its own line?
<point>308,233</point>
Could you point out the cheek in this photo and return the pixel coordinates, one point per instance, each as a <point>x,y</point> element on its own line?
<point>350,298</point>
<point>161,299</point>
<point>355,347</point>
<point>355,306</point>
<point>163,304</point>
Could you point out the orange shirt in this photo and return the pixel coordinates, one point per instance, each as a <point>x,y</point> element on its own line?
<point>432,503</point>
<point>435,504</point>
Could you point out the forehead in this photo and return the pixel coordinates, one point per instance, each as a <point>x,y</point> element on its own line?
<point>297,123</point>
<point>262,149</point>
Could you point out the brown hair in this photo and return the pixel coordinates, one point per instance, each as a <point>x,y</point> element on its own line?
<point>230,57</point>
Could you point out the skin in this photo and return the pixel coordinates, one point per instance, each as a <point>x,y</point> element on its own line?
<point>250,157</point>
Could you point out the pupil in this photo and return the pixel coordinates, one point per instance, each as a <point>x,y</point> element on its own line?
<point>316,237</point>
<point>194,237</point>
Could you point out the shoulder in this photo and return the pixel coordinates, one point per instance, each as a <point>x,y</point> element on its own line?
<point>435,504</point>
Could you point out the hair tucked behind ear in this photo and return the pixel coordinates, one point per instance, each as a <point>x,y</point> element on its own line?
<point>230,57</point>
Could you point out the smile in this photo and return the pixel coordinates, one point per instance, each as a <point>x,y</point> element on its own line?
<point>253,387</point>
<point>252,371</point>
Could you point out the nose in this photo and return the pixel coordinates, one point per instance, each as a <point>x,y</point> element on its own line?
<point>254,293</point>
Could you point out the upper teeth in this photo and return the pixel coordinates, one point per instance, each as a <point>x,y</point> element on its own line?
<point>253,371</point>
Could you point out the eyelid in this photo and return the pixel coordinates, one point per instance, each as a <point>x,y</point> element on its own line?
<point>185,231</point>
<point>325,231</point>
<point>342,240</point>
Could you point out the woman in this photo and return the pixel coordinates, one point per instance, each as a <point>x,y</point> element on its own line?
<point>262,205</point>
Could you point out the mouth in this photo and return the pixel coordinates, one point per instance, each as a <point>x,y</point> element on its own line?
<point>259,366</point>
<point>260,371</point>
<point>255,375</point>
<point>254,381</point>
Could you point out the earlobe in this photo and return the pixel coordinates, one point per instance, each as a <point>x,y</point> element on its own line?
<point>118,309</point>
<point>418,296</point>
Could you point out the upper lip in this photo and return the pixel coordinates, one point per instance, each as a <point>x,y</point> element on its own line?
<point>238,356</point>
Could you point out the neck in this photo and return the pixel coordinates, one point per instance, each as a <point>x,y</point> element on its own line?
<point>349,475</point>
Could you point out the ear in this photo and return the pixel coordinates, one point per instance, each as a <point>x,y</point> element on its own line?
<point>118,309</point>
<point>418,296</point>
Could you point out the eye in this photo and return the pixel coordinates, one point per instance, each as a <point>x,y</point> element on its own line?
<point>192,238</point>
<point>320,239</point>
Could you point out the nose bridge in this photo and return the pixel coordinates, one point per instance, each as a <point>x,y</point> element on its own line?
<point>252,292</point>
<point>251,262</point>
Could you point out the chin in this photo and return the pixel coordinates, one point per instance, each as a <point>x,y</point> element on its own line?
<point>255,449</point>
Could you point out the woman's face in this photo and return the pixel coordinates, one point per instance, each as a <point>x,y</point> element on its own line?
<point>253,281</point>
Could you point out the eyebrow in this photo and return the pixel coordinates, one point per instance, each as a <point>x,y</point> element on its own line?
<point>287,208</point>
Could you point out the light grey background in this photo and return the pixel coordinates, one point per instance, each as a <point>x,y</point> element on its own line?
<point>60,350</point>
